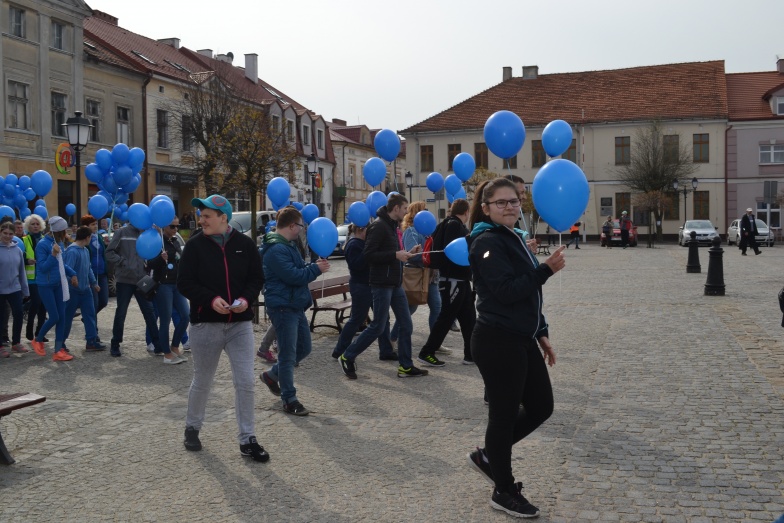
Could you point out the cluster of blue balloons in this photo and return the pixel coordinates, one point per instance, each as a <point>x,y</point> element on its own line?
<point>117,174</point>
<point>160,212</point>
<point>17,191</point>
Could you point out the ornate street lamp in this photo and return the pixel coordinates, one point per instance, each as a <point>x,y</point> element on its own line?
<point>409,182</point>
<point>78,130</point>
<point>686,191</point>
<point>313,171</point>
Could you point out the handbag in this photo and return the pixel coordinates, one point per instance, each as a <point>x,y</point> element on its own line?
<point>416,281</point>
<point>148,286</point>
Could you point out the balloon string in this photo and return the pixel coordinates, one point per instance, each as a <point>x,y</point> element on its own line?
<point>323,282</point>
<point>560,273</point>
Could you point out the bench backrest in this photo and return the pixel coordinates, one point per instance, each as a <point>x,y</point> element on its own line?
<point>328,287</point>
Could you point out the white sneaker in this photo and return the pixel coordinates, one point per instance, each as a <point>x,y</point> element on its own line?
<point>173,361</point>
<point>455,327</point>
<point>444,350</point>
<point>151,348</point>
<point>186,347</point>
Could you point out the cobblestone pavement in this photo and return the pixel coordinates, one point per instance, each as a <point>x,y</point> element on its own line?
<point>669,407</point>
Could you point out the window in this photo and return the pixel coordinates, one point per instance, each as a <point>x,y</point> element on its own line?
<point>57,35</point>
<point>453,149</point>
<point>571,152</point>
<point>58,114</point>
<point>123,125</point>
<point>163,129</point>
<point>240,202</point>
<point>701,205</point>
<point>671,148</point>
<point>512,162</point>
<point>352,170</point>
<point>275,123</point>
<point>16,22</point>
<point>320,138</point>
<point>623,201</point>
<point>480,154</point>
<point>641,217</point>
<point>538,156</point>
<point>17,105</point>
<point>305,135</point>
<point>701,144</point>
<point>187,132</point>
<point>290,130</point>
<point>671,208</point>
<point>780,105</point>
<point>93,113</point>
<point>771,154</point>
<point>623,148</point>
<point>770,213</point>
<point>426,157</point>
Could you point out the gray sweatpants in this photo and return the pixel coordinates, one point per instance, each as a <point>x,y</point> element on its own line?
<point>208,341</point>
<point>269,337</point>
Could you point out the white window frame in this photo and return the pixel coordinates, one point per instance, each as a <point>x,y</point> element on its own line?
<point>15,102</point>
<point>771,153</point>
<point>16,22</point>
<point>305,135</point>
<point>320,138</point>
<point>57,33</point>
<point>123,126</point>
<point>58,113</point>
<point>352,170</point>
<point>93,111</point>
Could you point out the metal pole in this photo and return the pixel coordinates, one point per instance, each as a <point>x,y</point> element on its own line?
<point>78,186</point>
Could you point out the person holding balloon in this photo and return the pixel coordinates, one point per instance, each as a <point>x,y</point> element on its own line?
<point>36,313</point>
<point>77,256</point>
<point>510,343</point>
<point>97,250</point>
<point>13,286</point>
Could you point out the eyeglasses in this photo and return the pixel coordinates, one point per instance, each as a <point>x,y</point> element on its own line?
<point>501,204</point>
<point>174,226</point>
<point>300,224</point>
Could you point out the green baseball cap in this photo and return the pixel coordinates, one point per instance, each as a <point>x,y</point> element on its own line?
<point>216,202</point>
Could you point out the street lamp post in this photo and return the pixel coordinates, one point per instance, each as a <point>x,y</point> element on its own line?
<point>686,191</point>
<point>312,171</point>
<point>410,182</point>
<point>78,129</point>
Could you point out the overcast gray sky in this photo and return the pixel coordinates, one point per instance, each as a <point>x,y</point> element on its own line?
<point>391,64</point>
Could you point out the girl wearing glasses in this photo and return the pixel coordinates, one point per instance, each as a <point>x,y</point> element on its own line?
<point>510,343</point>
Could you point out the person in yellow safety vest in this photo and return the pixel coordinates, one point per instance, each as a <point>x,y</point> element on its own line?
<point>34,225</point>
<point>574,230</point>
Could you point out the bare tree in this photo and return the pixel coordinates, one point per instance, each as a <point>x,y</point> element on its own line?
<point>656,160</point>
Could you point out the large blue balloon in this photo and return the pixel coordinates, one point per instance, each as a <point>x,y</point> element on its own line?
<point>161,197</point>
<point>40,203</point>
<point>278,191</point>
<point>457,252</point>
<point>93,173</point>
<point>464,166</point>
<point>7,211</point>
<point>24,182</point>
<point>374,171</point>
<point>108,184</point>
<point>139,216</point>
<point>375,200</point>
<point>322,236</point>
<point>504,134</point>
<point>42,212</point>
<point>41,182</point>
<point>560,193</point>
<point>387,144</point>
<point>103,158</point>
<point>149,244</point>
<point>98,206</point>
<point>20,201</point>
<point>435,182</point>
<point>133,184</point>
<point>11,179</point>
<point>2,182</point>
<point>122,175</point>
<point>70,209</point>
<point>425,223</point>
<point>24,212</point>
<point>309,213</point>
<point>136,159</point>
<point>29,194</point>
<point>120,153</point>
<point>358,214</point>
<point>452,184</point>
<point>9,190</point>
<point>556,138</point>
<point>162,212</point>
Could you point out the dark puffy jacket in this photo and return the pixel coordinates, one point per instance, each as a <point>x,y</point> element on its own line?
<point>355,259</point>
<point>508,281</point>
<point>209,270</point>
<point>454,229</point>
<point>381,244</point>
<point>161,271</point>
<point>286,275</point>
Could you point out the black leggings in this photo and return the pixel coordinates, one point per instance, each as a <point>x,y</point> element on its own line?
<point>457,303</point>
<point>514,373</point>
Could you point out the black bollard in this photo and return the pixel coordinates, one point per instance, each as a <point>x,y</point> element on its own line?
<point>714,286</point>
<point>693,263</point>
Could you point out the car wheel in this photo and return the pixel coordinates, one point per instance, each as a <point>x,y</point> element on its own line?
<point>112,286</point>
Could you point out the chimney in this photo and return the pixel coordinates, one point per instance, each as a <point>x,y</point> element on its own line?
<point>780,65</point>
<point>228,58</point>
<point>252,67</point>
<point>174,42</point>
<point>530,72</point>
<point>205,52</point>
<point>106,17</point>
<point>507,74</point>
<point>338,121</point>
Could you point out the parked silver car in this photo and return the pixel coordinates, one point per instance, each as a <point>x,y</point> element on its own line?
<point>704,229</point>
<point>764,234</point>
<point>241,221</point>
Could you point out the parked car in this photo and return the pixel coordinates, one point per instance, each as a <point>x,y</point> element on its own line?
<point>704,229</point>
<point>241,221</point>
<point>616,235</point>
<point>764,234</point>
<point>342,237</point>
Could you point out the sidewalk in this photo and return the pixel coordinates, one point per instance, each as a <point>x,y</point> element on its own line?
<point>669,407</point>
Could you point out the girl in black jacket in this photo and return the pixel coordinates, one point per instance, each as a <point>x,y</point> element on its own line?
<point>508,282</point>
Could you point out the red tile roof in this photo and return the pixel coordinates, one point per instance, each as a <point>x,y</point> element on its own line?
<point>676,91</point>
<point>95,51</point>
<point>748,95</point>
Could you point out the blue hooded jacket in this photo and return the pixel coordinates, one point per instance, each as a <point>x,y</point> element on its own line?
<point>286,275</point>
<point>47,270</point>
<point>78,258</point>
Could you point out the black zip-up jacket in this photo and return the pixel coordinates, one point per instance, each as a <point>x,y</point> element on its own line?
<point>507,281</point>
<point>355,259</point>
<point>208,271</point>
<point>161,271</point>
<point>454,229</point>
<point>381,244</point>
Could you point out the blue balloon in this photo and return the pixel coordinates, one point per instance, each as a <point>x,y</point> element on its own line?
<point>19,243</point>
<point>452,184</point>
<point>276,207</point>
<point>434,182</point>
<point>322,236</point>
<point>161,197</point>
<point>9,190</point>
<point>7,211</point>
<point>390,193</point>
<point>139,216</point>
<point>504,134</point>
<point>132,185</point>
<point>11,179</point>
<point>42,212</point>
<point>41,182</point>
<point>374,171</point>
<point>560,193</point>
<point>2,182</point>
<point>106,195</point>
<point>120,197</point>
<point>450,198</point>
<point>98,206</point>
<point>149,244</point>
<point>387,144</point>
<point>309,213</point>
<point>464,166</point>
<point>120,153</point>
<point>270,225</point>
<point>9,202</point>
<point>29,194</point>
<point>24,182</point>
<point>136,159</point>
<point>93,173</point>
<point>162,212</point>
<point>108,184</point>
<point>461,194</point>
<point>40,203</point>
<point>358,214</point>
<point>425,223</point>
<point>123,207</point>
<point>20,201</point>
<point>298,206</point>
<point>70,209</point>
<point>122,175</point>
<point>103,158</point>
<point>375,201</point>
<point>24,212</point>
<point>279,191</point>
<point>557,138</point>
<point>457,252</point>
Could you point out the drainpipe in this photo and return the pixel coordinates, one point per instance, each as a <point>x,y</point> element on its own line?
<point>144,136</point>
<point>343,156</point>
<point>726,179</point>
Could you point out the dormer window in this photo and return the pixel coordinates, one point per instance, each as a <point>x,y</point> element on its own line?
<point>780,106</point>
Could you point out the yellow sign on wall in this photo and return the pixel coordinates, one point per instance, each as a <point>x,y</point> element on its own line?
<point>64,157</point>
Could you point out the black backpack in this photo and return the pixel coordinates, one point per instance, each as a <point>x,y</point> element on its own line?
<point>436,242</point>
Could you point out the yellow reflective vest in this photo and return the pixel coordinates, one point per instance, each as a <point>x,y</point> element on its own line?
<point>29,255</point>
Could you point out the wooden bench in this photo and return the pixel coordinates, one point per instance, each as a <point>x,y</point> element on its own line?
<point>8,404</point>
<point>320,289</point>
<point>543,249</point>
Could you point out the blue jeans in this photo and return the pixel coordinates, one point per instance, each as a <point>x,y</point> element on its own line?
<point>361,301</point>
<point>52,300</point>
<point>168,298</point>
<point>383,299</point>
<point>175,319</point>
<point>82,300</point>
<point>126,291</point>
<point>101,298</point>
<point>293,346</point>
<point>36,308</point>
<point>14,300</point>
<point>433,303</point>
